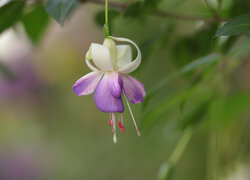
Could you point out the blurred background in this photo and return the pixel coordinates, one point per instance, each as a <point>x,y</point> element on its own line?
<point>194,121</point>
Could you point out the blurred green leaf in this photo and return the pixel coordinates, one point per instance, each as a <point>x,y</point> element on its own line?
<point>196,114</point>
<point>6,72</point>
<point>236,26</point>
<point>232,107</point>
<point>192,47</point>
<point>209,59</point>
<point>60,9</point>
<point>10,13</point>
<point>151,3</point>
<point>35,23</point>
<point>165,171</point>
<point>238,8</point>
<point>100,16</point>
<point>149,45</point>
<point>151,116</point>
<point>242,47</point>
<point>134,9</point>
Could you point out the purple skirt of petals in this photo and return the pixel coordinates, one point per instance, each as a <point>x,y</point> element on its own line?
<point>87,84</point>
<point>115,84</point>
<point>133,89</point>
<point>108,93</point>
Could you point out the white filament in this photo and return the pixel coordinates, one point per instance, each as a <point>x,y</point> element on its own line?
<point>113,120</point>
<point>138,132</point>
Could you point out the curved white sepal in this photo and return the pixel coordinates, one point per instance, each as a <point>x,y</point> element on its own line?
<point>101,57</point>
<point>130,67</point>
<point>88,59</point>
<point>88,54</point>
<point>124,55</point>
<point>93,68</point>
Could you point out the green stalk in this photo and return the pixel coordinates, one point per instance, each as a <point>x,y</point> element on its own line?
<point>106,12</point>
<point>106,28</point>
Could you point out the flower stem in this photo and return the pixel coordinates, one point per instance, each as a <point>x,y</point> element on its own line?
<point>106,28</point>
<point>106,12</point>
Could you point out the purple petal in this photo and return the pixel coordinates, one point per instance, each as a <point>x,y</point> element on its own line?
<point>133,89</point>
<point>115,84</point>
<point>104,100</point>
<point>87,84</point>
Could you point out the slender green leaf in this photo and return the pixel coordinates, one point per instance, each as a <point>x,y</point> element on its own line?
<point>10,13</point>
<point>35,23</point>
<point>236,26</point>
<point>165,171</point>
<point>60,9</point>
<point>196,114</point>
<point>151,116</point>
<point>244,46</point>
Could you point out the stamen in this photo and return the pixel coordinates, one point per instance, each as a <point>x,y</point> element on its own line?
<point>120,125</point>
<point>122,119</point>
<point>110,119</point>
<point>138,132</point>
<point>113,120</point>
<point>118,117</point>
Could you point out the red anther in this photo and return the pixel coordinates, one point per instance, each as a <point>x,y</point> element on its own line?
<point>119,124</point>
<point>122,129</point>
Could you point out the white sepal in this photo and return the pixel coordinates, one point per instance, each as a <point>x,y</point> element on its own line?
<point>88,60</point>
<point>101,57</point>
<point>93,68</point>
<point>124,55</point>
<point>130,67</point>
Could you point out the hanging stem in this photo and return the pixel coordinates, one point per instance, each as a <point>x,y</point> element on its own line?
<point>106,12</point>
<point>106,28</point>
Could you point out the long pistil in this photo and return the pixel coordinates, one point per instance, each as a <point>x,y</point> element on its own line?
<point>114,131</point>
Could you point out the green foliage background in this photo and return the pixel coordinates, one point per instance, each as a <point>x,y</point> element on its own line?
<point>195,68</point>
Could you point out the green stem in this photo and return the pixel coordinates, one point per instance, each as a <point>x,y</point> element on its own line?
<point>106,28</point>
<point>181,146</point>
<point>106,12</point>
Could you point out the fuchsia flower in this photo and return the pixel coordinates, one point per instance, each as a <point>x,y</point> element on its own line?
<point>110,64</point>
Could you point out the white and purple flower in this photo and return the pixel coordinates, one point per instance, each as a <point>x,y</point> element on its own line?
<point>110,64</point>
